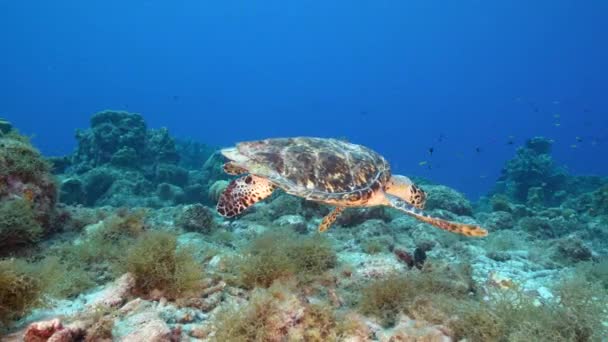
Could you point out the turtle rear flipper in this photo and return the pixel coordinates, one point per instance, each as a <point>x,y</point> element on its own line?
<point>330,218</point>
<point>454,227</point>
<point>242,193</point>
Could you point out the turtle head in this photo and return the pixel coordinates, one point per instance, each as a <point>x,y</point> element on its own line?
<point>404,188</point>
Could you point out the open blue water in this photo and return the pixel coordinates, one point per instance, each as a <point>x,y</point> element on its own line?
<point>462,77</point>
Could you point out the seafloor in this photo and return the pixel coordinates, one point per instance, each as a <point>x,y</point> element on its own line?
<point>119,242</point>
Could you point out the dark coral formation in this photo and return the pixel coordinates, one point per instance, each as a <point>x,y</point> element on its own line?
<point>120,162</point>
<point>532,177</point>
<point>27,192</point>
<point>536,197</point>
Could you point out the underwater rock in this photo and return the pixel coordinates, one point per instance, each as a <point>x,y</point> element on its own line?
<point>500,202</point>
<point>497,220</point>
<point>120,162</point>
<point>172,174</point>
<point>72,191</point>
<point>599,202</point>
<point>443,197</point>
<point>160,147</point>
<point>407,329</point>
<point>196,218</point>
<point>143,326</point>
<point>296,223</point>
<point>533,167</point>
<point>574,249</point>
<point>27,188</point>
<point>110,132</point>
<point>168,192</point>
<point>52,331</point>
<point>193,154</point>
<point>115,293</point>
<point>356,216</point>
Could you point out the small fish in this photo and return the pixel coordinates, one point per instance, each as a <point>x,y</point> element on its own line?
<point>422,163</point>
<point>555,102</point>
<point>478,149</point>
<point>175,98</point>
<point>579,139</point>
<point>441,137</point>
<point>431,150</point>
<point>557,116</point>
<point>557,124</point>
<point>573,146</point>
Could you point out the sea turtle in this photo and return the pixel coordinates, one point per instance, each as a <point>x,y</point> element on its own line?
<point>330,171</point>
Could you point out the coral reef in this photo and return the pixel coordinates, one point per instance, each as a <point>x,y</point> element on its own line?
<point>120,162</point>
<point>532,177</point>
<point>138,253</point>
<point>442,197</point>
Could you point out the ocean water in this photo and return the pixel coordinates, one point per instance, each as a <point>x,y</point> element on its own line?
<point>108,221</point>
<point>393,75</point>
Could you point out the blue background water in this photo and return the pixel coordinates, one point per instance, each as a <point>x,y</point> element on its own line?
<point>394,75</point>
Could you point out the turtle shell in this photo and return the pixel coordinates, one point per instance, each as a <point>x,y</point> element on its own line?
<point>327,170</point>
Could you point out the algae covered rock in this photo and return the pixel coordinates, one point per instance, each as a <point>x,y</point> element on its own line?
<point>532,176</point>
<point>111,132</point>
<point>443,197</point>
<point>120,162</point>
<point>18,224</point>
<point>28,193</point>
<point>20,291</point>
<point>196,218</point>
<point>574,249</point>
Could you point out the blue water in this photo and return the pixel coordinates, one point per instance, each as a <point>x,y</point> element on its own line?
<point>461,77</point>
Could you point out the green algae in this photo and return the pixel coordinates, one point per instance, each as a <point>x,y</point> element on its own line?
<point>20,290</point>
<point>158,264</point>
<point>18,224</point>
<point>278,255</point>
<point>386,298</point>
<point>20,159</point>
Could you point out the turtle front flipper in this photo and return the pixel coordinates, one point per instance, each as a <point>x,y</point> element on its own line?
<point>242,193</point>
<point>454,227</point>
<point>330,218</point>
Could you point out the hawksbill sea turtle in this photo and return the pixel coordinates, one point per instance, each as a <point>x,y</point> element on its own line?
<point>329,171</point>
